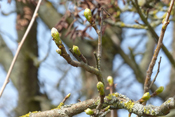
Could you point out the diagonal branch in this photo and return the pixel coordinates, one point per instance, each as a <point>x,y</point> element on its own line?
<point>19,48</point>
<point>156,52</point>
<point>156,37</point>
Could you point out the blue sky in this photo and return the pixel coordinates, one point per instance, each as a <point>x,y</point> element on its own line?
<point>50,74</point>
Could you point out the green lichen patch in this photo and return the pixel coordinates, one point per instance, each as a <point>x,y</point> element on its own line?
<point>129,105</point>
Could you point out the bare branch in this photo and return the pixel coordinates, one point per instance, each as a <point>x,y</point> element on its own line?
<point>99,32</point>
<point>156,52</point>
<point>156,74</point>
<point>19,48</point>
<point>117,101</point>
<point>150,28</point>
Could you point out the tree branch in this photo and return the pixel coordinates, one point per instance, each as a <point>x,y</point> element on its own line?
<point>19,48</point>
<point>156,37</point>
<point>116,101</point>
<point>156,52</point>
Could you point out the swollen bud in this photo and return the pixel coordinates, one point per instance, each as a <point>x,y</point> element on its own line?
<point>58,51</point>
<point>141,2</point>
<point>159,90</point>
<point>56,36</point>
<point>68,95</point>
<point>76,50</point>
<point>88,14</point>
<point>110,80</point>
<point>106,108</point>
<point>100,88</point>
<point>88,111</point>
<point>145,97</point>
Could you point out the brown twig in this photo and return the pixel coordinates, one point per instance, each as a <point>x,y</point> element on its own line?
<point>62,103</point>
<point>156,52</point>
<point>156,73</point>
<point>88,68</point>
<point>151,29</point>
<point>79,58</point>
<point>83,58</point>
<point>95,55</point>
<point>99,53</point>
<point>19,48</point>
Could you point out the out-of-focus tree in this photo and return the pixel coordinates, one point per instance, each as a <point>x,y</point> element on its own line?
<point>146,16</point>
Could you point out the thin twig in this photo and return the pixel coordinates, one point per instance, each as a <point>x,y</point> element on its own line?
<point>99,53</point>
<point>95,54</point>
<point>62,103</point>
<point>156,52</point>
<point>19,48</point>
<point>154,34</point>
<point>83,58</point>
<point>156,73</point>
<point>74,63</point>
<point>99,32</point>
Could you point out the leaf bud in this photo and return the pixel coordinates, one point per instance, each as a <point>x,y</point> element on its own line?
<point>56,36</point>
<point>88,14</point>
<point>88,111</point>
<point>145,97</point>
<point>160,90</point>
<point>58,51</point>
<point>110,80</point>
<point>100,88</point>
<point>76,50</point>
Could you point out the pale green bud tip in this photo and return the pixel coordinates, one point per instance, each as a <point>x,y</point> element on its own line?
<point>58,51</point>
<point>55,33</point>
<point>110,80</point>
<point>107,108</point>
<point>160,90</point>
<point>68,95</point>
<point>88,111</point>
<point>146,96</point>
<point>100,85</point>
<point>88,14</point>
<point>141,2</point>
<point>76,50</point>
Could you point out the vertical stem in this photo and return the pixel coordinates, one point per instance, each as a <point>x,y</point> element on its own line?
<point>100,40</point>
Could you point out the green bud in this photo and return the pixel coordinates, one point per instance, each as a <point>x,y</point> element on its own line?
<point>58,51</point>
<point>88,111</point>
<point>56,36</point>
<point>160,90</point>
<point>68,95</point>
<point>141,2</point>
<point>106,108</point>
<point>110,80</point>
<point>88,14</point>
<point>76,50</point>
<point>100,88</point>
<point>145,97</point>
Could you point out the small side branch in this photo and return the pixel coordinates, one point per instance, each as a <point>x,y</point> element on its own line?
<point>151,29</point>
<point>64,100</point>
<point>156,74</point>
<point>99,32</point>
<point>156,52</point>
